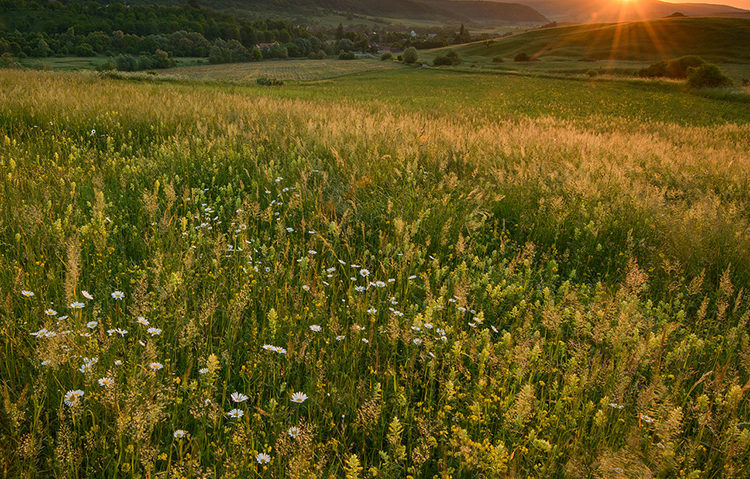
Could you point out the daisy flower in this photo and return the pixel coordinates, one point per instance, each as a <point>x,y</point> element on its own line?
<point>106,382</point>
<point>118,295</point>
<point>26,293</point>
<point>315,328</point>
<point>142,320</point>
<point>299,397</point>
<point>156,366</point>
<point>263,458</point>
<point>87,295</point>
<point>154,331</point>
<point>179,434</point>
<point>203,371</point>
<point>238,397</point>
<point>76,305</point>
<point>236,413</point>
<point>92,324</point>
<point>340,338</point>
<point>372,310</point>
<point>50,312</point>
<point>293,431</point>
<point>72,397</point>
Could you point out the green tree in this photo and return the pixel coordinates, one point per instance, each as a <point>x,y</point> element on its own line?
<point>411,55</point>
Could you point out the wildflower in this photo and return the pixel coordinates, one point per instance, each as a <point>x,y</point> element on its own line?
<point>72,397</point>
<point>26,293</point>
<point>117,295</point>
<point>359,289</point>
<point>238,397</point>
<point>372,310</point>
<point>50,312</point>
<point>427,325</point>
<point>417,341</point>
<point>364,272</point>
<point>412,277</point>
<point>365,340</point>
<point>76,305</point>
<point>106,382</point>
<point>647,419</point>
<point>142,320</point>
<point>315,328</point>
<point>179,434</point>
<point>156,366</point>
<point>236,413</point>
<point>379,284</point>
<point>263,458</point>
<point>39,333</point>
<point>299,397</point>
<point>88,363</point>
<point>62,318</point>
<point>203,371</point>
<point>305,287</point>
<point>118,362</point>
<point>87,295</point>
<point>293,431</point>
<point>340,338</point>
<point>92,324</point>
<point>614,405</point>
<point>154,331</point>
<point>121,332</point>
<point>290,230</point>
<point>46,362</point>
<point>618,470</point>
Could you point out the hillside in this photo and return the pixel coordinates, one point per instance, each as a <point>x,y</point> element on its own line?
<point>612,10</point>
<point>716,39</point>
<point>470,12</point>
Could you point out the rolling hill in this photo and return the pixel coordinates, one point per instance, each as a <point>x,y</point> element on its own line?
<point>716,39</point>
<point>471,12</point>
<point>613,10</point>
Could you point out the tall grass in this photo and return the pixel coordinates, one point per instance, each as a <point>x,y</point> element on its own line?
<point>455,295</point>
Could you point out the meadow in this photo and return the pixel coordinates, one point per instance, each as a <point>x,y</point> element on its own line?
<point>398,273</point>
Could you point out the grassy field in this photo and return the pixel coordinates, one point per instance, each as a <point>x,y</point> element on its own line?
<point>396,273</point>
<point>716,39</point>
<point>301,70</point>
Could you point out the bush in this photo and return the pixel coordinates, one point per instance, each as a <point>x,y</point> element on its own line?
<point>497,60</point>
<point>706,76</point>
<point>676,68</point>
<point>105,67</point>
<point>126,63</point>
<point>521,57</point>
<point>318,55</point>
<point>592,73</point>
<point>344,55</point>
<point>450,58</point>
<point>386,56</point>
<point>269,81</point>
<point>85,50</point>
<point>410,55</point>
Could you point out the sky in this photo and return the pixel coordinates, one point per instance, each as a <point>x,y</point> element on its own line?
<point>733,3</point>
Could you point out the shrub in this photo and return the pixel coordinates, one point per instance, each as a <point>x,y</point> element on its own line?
<point>411,55</point>
<point>105,67</point>
<point>497,60</point>
<point>676,68</point>
<point>126,63</point>
<point>706,76</point>
<point>269,81</point>
<point>85,50</point>
<point>450,58</point>
<point>592,73</point>
<point>386,56</point>
<point>521,57</point>
<point>344,55</point>
<point>7,60</point>
<point>318,55</point>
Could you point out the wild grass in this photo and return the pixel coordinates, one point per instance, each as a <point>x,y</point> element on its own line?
<point>457,293</point>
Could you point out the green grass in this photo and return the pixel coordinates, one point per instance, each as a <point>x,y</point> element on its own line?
<point>300,70</point>
<point>470,275</point>
<point>716,39</point>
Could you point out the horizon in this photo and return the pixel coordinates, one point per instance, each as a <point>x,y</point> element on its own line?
<point>744,4</point>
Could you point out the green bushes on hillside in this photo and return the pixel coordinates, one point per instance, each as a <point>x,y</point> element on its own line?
<point>707,76</point>
<point>450,58</point>
<point>676,68</point>
<point>410,55</point>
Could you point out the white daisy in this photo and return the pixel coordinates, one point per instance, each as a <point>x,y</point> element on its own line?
<point>156,366</point>
<point>293,431</point>
<point>263,458</point>
<point>76,305</point>
<point>154,331</point>
<point>50,312</point>
<point>72,397</point>
<point>26,293</point>
<point>118,295</point>
<point>315,328</point>
<point>179,434</point>
<point>92,324</point>
<point>299,397</point>
<point>203,371</point>
<point>87,295</point>
<point>236,413</point>
<point>106,382</point>
<point>142,320</point>
<point>238,397</point>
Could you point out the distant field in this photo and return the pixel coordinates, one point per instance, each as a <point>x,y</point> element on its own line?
<point>716,39</point>
<point>280,69</point>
